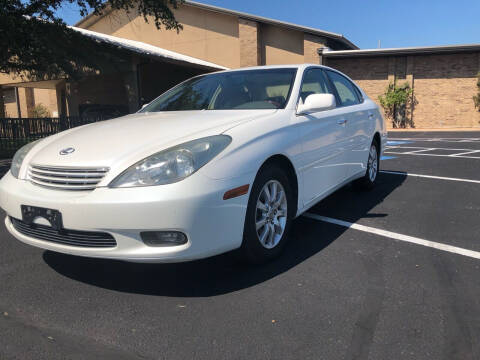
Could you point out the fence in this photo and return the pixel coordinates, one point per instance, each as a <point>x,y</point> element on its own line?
<point>16,132</point>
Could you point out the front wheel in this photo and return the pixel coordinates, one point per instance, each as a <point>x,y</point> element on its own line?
<point>269,215</point>
<point>367,182</point>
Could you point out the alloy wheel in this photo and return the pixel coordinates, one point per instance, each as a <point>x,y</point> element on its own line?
<point>373,163</point>
<point>271,214</point>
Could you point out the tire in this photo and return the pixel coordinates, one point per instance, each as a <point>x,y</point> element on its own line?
<point>368,181</point>
<point>262,245</point>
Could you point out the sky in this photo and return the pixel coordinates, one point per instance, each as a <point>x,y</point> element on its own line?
<point>365,23</point>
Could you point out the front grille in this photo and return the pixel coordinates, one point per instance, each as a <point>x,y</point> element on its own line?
<point>66,178</point>
<point>91,239</point>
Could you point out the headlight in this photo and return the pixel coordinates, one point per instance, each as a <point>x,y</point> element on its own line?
<point>173,164</point>
<point>19,156</point>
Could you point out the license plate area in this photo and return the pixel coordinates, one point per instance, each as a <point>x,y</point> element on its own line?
<point>30,213</point>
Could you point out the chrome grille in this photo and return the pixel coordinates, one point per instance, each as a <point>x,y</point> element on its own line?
<point>78,238</point>
<point>66,178</point>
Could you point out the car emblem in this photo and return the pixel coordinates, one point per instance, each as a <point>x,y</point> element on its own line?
<point>67,151</point>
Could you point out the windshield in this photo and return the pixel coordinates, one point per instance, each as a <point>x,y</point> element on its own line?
<point>247,89</point>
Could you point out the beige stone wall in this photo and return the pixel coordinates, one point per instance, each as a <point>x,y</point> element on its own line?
<point>443,84</point>
<point>222,39</point>
<point>10,102</point>
<point>281,46</point>
<point>206,35</point>
<point>47,97</point>
<point>11,110</point>
<point>250,43</point>
<point>311,44</point>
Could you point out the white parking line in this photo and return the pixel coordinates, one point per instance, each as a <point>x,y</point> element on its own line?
<point>439,155</point>
<point>397,236</point>
<point>465,153</point>
<point>450,140</point>
<point>429,176</point>
<point>421,150</point>
<point>426,148</point>
<point>425,151</point>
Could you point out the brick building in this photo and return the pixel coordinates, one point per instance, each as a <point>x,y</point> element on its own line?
<point>213,38</point>
<point>443,79</point>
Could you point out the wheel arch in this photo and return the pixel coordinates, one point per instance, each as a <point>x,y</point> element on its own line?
<point>378,139</point>
<point>284,163</point>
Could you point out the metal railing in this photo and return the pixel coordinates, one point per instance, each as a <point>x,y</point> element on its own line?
<point>16,132</point>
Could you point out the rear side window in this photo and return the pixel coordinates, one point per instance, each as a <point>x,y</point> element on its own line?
<point>347,92</point>
<point>314,82</point>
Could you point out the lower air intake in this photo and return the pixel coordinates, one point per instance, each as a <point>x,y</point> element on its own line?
<point>90,239</point>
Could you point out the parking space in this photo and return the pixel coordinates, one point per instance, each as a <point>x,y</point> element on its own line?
<point>388,274</point>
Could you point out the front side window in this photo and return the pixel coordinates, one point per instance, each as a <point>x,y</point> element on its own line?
<point>345,89</point>
<point>314,82</point>
<point>246,89</point>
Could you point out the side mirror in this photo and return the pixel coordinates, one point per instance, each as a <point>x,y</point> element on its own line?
<point>315,103</point>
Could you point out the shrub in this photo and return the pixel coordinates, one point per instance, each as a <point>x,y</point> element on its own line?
<point>396,102</point>
<point>476,98</point>
<point>40,111</point>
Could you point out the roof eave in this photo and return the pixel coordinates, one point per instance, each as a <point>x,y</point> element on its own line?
<point>306,29</point>
<point>327,34</point>
<point>401,51</point>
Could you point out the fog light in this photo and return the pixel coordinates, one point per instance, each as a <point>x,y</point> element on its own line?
<point>163,238</point>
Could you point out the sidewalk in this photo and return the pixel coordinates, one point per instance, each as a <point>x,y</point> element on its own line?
<point>435,129</point>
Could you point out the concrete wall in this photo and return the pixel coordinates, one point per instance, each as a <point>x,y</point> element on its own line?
<point>443,84</point>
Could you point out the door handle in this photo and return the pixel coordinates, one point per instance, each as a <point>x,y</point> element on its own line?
<point>370,116</point>
<point>342,121</point>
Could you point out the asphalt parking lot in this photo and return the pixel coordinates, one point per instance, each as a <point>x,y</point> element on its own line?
<point>388,274</point>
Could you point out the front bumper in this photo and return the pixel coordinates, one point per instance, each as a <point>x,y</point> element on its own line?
<point>194,206</point>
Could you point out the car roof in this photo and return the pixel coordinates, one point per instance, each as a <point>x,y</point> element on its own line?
<point>286,66</point>
<point>267,67</point>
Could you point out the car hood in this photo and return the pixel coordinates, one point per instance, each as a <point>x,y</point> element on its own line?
<point>133,137</point>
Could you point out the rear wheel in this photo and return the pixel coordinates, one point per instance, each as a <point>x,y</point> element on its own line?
<point>368,181</point>
<point>269,215</point>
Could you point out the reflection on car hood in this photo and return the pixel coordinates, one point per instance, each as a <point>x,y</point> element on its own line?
<point>133,137</point>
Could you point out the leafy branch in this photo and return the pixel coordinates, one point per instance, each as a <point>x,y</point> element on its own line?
<point>37,43</point>
<point>396,102</point>
<point>476,98</point>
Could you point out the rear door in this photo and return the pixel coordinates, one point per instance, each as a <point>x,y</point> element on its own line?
<point>359,121</point>
<point>322,137</point>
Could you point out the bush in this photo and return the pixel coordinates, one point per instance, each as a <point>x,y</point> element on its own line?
<point>476,98</point>
<point>396,102</point>
<point>40,111</point>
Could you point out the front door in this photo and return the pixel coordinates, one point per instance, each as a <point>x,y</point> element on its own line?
<point>323,142</point>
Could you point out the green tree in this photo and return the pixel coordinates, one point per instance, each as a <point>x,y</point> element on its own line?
<point>476,98</point>
<point>397,102</point>
<point>35,42</point>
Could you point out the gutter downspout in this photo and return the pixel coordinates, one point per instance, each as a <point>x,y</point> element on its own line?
<point>320,52</point>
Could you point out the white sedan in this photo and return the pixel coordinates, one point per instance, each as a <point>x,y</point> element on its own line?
<point>219,162</point>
